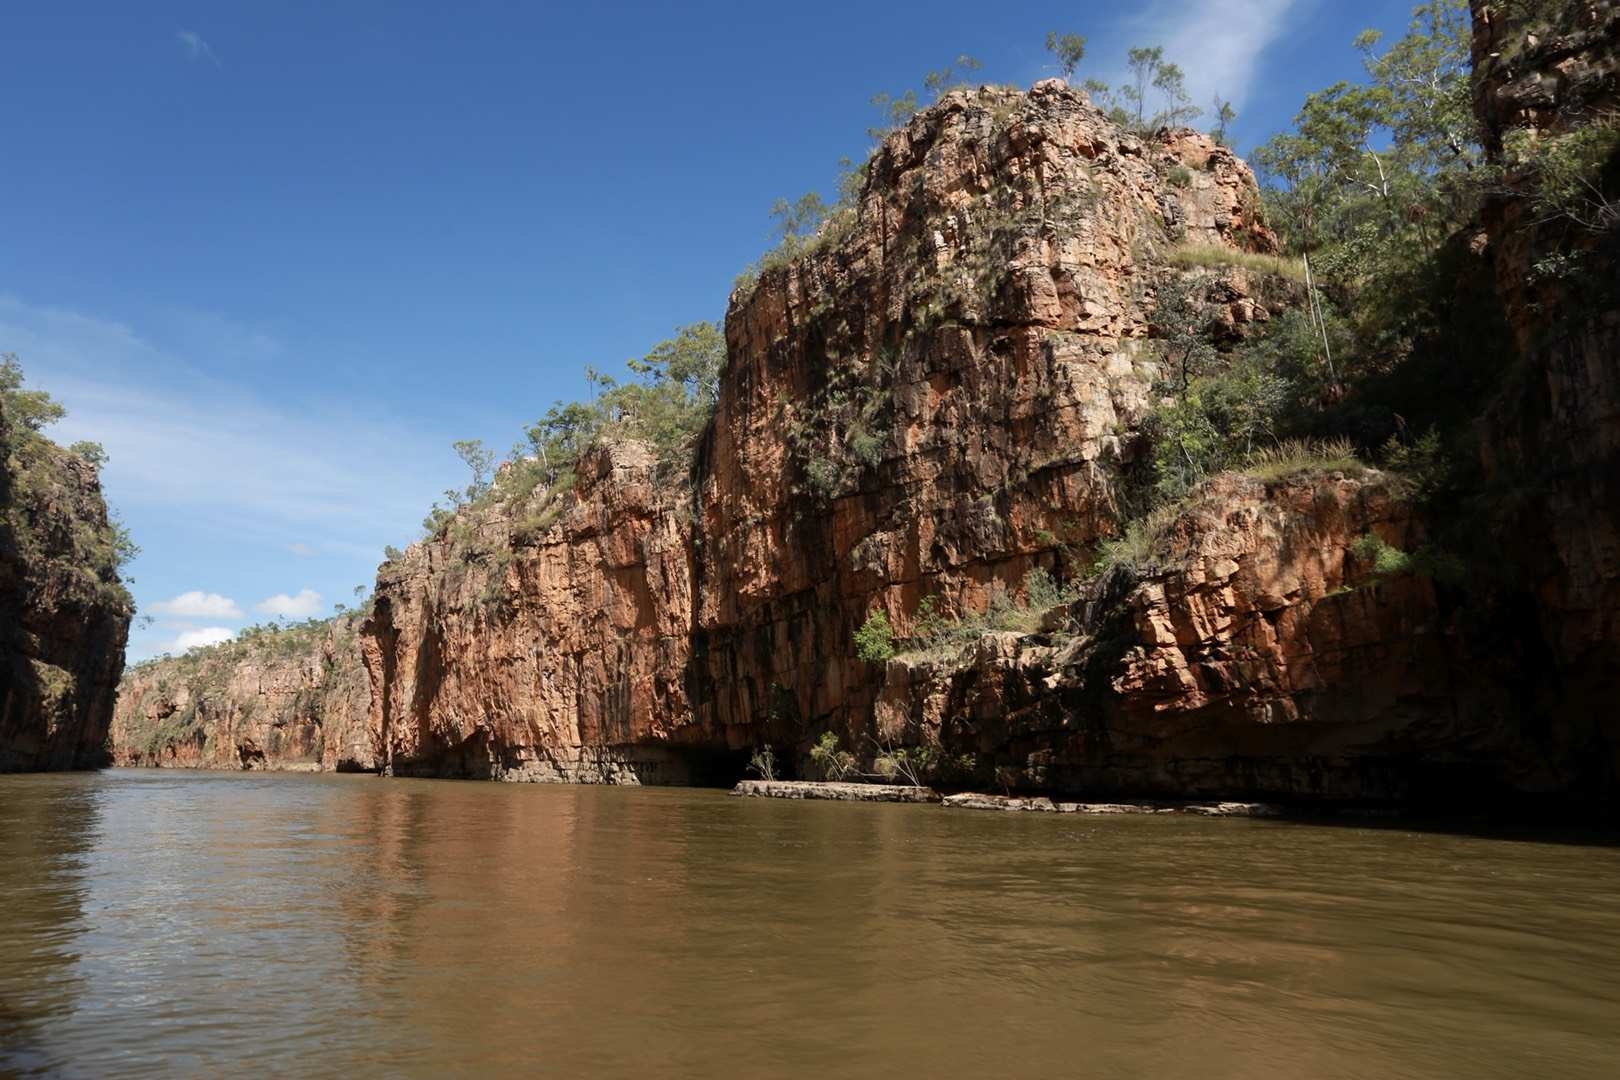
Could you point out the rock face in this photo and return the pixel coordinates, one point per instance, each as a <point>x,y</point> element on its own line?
<point>1258,652</point>
<point>940,397</point>
<point>1555,435</point>
<point>562,660</point>
<point>296,698</point>
<point>931,403</point>
<point>64,615</point>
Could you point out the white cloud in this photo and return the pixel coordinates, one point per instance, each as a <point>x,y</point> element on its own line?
<point>191,639</point>
<point>188,446</point>
<point>303,551</point>
<point>199,605</point>
<point>1218,43</point>
<point>196,47</point>
<point>201,462</point>
<point>302,606</point>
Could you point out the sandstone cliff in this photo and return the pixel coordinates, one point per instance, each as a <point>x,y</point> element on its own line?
<point>935,401</point>
<point>1259,647</point>
<point>286,698</point>
<point>939,405</point>
<point>64,615</point>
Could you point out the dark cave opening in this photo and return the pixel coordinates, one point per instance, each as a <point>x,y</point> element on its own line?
<point>714,766</point>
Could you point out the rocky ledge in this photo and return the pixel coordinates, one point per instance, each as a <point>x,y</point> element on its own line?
<point>1041,804</point>
<point>840,792</point>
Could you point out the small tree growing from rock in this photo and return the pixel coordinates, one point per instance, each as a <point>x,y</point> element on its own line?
<point>763,763</point>
<point>874,641</point>
<point>831,759</point>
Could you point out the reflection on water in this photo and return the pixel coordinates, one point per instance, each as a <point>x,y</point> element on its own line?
<point>167,924</point>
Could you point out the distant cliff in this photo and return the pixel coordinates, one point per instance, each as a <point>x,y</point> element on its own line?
<point>278,698</point>
<point>64,613</point>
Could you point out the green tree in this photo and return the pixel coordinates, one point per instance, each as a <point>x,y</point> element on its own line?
<point>1370,168</point>
<point>1067,49</point>
<point>894,110</point>
<point>32,409</point>
<point>479,459</point>
<point>1181,321</point>
<point>1144,64</point>
<point>1128,105</point>
<point>1224,115</point>
<point>949,78</point>
<point>797,221</point>
<point>1178,108</point>
<point>874,641</point>
<point>830,759</point>
<point>897,109</point>
<point>92,452</point>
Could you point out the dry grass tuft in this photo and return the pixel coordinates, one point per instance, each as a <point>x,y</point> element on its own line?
<point>1206,255</point>
<point>1301,455</point>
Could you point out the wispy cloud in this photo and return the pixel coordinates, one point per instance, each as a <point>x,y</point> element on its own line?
<point>187,445</point>
<point>216,481</point>
<point>196,48</point>
<point>302,606</point>
<point>197,605</point>
<point>1218,43</point>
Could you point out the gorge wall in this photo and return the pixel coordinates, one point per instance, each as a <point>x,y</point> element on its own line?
<point>279,698</point>
<point>933,402</point>
<point>64,614</point>
<point>1553,437</point>
<point>946,394</point>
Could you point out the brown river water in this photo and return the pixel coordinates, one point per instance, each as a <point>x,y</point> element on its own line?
<point>198,924</point>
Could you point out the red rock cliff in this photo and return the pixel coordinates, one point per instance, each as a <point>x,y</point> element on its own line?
<point>931,403</point>
<point>938,398</point>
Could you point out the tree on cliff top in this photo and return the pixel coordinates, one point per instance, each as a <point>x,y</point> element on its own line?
<point>1375,166</point>
<point>1068,49</point>
<point>897,109</point>
<point>47,517</point>
<point>666,401</point>
<point>1127,105</point>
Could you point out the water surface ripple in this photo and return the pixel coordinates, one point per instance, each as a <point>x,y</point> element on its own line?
<point>189,924</point>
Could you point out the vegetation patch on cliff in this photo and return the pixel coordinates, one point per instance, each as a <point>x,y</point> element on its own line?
<point>47,521</point>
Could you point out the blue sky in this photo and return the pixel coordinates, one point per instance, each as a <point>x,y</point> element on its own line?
<point>275,257</point>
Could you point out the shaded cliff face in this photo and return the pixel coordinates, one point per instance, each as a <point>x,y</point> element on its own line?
<point>64,615</point>
<point>1554,436</point>
<point>1259,651</point>
<point>934,401</point>
<point>297,698</point>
